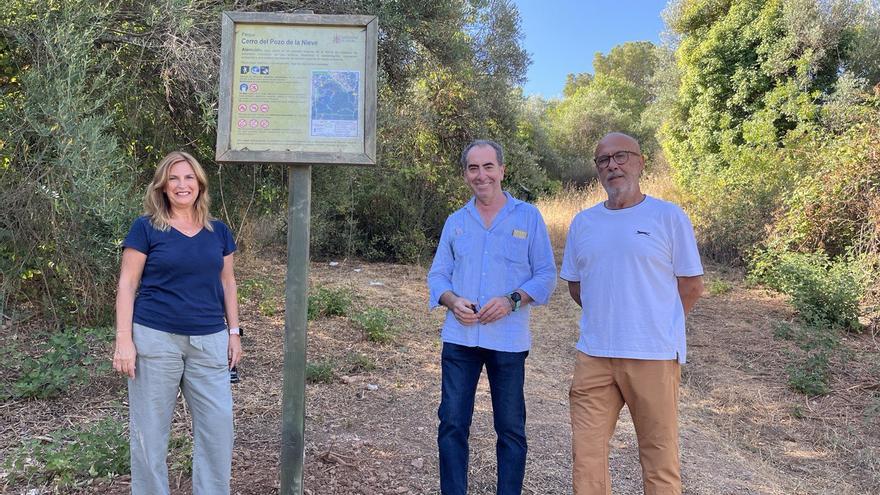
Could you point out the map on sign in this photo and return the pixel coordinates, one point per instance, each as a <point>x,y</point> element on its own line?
<point>335,103</point>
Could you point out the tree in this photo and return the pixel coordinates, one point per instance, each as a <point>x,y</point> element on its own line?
<point>574,82</point>
<point>93,93</point>
<point>754,75</point>
<point>633,61</point>
<point>613,99</point>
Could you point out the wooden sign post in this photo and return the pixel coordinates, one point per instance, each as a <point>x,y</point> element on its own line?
<point>297,89</point>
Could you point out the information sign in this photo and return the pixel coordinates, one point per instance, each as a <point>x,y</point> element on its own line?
<point>297,88</point>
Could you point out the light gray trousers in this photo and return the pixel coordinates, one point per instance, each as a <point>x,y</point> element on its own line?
<point>198,366</point>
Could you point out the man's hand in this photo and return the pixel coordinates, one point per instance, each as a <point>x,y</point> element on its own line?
<point>495,309</point>
<point>464,311</point>
<point>234,350</point>
<point>125,355</point>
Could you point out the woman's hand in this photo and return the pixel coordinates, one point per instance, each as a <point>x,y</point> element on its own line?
<point>234,351</point>
<point>125,355</point>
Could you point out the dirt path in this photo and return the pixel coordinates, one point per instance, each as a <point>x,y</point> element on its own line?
<point>372,428</point>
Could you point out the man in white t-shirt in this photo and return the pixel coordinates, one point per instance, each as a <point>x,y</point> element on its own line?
<point>632,264</point>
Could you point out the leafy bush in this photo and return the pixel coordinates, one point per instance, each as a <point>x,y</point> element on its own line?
<point>65,183</point>
<point>718,286</point>
<point>326,301</point>
<point>320,372</point>
<point>358,362</point>
<point>180,451</point>
<point>810,376</point>
<point>377,324</point>
<point>810,373</point>
<point>66,361</point>
<point>823,291</point>
<point>731,207</point>
<point>808,337</point>
<point>264,291</point>
<point>769,128</point>
<point>783,330</point>
<point>97,450</point>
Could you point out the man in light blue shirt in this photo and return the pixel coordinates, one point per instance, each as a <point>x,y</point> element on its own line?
<point>494,261</point>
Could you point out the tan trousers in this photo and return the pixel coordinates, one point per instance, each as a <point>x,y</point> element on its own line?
<point>599,389</point>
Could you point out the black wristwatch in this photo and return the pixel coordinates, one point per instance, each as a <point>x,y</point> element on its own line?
<point>515,299</point>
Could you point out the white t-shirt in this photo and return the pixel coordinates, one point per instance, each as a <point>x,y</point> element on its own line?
<point>627,262</point>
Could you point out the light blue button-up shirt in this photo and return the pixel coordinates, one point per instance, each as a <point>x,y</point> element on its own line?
<point>479,264</point>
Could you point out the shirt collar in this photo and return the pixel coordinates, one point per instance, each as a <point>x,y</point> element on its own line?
<point>508,207</point>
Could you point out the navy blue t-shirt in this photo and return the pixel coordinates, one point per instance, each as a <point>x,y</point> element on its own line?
<point>180,289</point>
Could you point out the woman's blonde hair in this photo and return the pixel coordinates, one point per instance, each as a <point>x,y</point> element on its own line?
<point>156,204</point>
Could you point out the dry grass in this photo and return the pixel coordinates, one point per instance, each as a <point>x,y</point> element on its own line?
<point>559,210</point>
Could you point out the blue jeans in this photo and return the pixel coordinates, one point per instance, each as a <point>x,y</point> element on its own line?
<point>462,366</point>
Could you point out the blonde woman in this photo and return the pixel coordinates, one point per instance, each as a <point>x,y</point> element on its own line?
<point>177,328</point>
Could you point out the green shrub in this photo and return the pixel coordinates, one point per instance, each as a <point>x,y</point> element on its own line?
<point>810,376</point>
<point>808,337</point>
<point>358,362</point>
<point>263,291</point>
<point>320,372</point>
<point>732,206</point>
<point>180,451</point>
<point>325,301</point>
<point>717,286</point>
<point>66,361</point>
<point>834,209</point>
<point>782,330</point>
<point>66,184</point>
<point>97,450</point>
<point>250,288</point>
<point>824,292</point>
<point>811,373</point>
<point>377,325</point>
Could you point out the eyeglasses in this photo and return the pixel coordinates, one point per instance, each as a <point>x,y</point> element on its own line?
<point>619,157</point>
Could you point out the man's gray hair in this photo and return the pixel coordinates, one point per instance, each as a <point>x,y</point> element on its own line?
<point>499,153</point>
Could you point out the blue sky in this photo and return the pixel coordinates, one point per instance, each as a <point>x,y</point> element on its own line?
<point>563,35</point>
